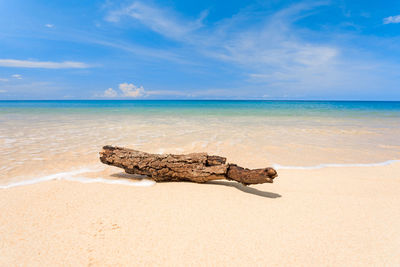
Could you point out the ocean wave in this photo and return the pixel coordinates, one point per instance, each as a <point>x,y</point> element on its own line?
<point>328,165</point>
<point>71,176</point>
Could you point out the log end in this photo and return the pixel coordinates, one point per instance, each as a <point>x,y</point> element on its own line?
<point>247,176</point>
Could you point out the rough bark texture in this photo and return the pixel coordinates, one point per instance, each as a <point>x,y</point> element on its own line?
<point>195,167</point>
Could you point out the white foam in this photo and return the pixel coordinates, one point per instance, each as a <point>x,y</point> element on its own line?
<point>320,166</point>
<point>69,176</point>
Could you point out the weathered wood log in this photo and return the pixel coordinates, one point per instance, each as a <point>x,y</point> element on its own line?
<point>195,167</point>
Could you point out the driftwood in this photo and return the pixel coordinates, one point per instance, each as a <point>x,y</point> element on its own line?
<point>195,167</point>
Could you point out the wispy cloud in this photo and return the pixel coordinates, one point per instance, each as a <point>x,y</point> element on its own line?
<point>3,91</point>
<point>157,19</point>
<point>49,25</point>
<point>15,63</point>
<point>391,19</point>
<point>17,76</point>
<point>273,53</point>
<point>3,80</point>
<point>269,48</point>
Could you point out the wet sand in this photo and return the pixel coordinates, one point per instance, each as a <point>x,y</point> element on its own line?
<point>330,216</point>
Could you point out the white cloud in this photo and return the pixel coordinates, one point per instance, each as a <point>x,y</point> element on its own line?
<point>110,93</point>
<point>49,25</point>
<point>17,76</point>
<point>126,90</point>
<point>131,90</point>
<point>391,19</point>
<point>15,63</point>
<point>3,80</point>
<point>273,54</point>
<point>3,91</point>
<point>159,20</point>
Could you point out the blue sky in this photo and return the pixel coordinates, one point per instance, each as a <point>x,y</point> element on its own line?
<point>344,50</point>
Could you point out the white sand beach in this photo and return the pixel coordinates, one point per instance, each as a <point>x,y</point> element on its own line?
<point>331,216</point>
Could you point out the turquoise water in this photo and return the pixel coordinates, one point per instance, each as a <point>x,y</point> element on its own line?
<point>209,107</point>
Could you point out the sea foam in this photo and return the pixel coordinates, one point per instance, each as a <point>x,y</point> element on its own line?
<point>71,176</point>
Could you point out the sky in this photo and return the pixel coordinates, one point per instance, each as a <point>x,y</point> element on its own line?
<point>177,49</point>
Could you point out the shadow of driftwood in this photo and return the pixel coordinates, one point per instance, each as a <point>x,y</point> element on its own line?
<point>246,189</point>
<point>128,176</point>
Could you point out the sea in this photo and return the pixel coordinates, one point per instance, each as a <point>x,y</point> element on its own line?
<point>61,139</point>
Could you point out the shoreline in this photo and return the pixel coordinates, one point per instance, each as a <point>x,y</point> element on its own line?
<point>131,180</point>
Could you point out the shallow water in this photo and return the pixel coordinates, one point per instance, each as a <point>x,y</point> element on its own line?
<point>42,138</point>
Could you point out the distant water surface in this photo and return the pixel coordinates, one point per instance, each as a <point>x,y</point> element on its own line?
<point>210,107</point>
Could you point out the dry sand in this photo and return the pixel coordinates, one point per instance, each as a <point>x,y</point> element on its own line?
<point>331,216</point>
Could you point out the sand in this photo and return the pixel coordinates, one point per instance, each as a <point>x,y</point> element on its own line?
<point>331,216</point>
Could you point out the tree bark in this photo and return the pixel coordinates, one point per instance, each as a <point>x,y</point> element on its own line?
<point>195,167</point>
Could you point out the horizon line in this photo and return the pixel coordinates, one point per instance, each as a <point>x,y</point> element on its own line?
<point>309,100</point>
